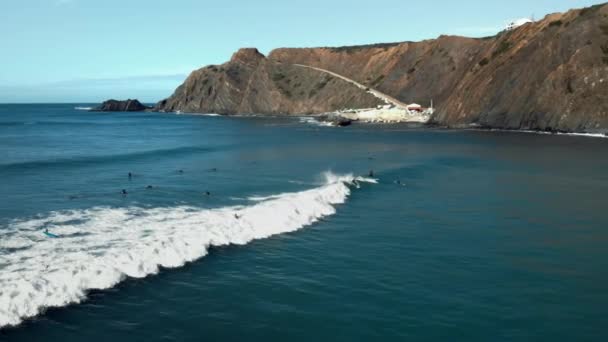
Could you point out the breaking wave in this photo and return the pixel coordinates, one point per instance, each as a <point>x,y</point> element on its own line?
<point>99,247</point>
<point>312,121</point>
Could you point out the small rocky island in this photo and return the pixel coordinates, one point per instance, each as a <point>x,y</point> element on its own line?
<point>121,106</point>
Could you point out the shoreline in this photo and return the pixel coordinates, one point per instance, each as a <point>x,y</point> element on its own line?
<point>528,131</point>
<point>359,116</point>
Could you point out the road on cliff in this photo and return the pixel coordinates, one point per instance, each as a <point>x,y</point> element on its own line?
<point>384,97</point>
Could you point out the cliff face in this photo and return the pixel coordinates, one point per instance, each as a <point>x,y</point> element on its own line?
<point>548,75</point>
<point>252,84</point>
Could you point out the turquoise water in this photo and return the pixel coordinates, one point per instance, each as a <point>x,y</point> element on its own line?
<point>488,236</point>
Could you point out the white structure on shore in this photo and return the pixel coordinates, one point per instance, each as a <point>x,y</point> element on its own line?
<point>389,113</point>
<point>517,23</point>
<point>414,107</point>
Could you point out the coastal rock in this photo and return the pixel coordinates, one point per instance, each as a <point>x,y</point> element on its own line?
<point>250,83</point>
<point>548,75</point>
<point>120,106</point>
<point>335,120</point>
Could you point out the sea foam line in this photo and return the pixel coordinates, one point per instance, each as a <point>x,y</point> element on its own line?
<point>312,121</point>
<point>100,247</point>
<point>526,131</point>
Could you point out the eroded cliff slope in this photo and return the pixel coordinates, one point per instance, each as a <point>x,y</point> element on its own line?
<point>252,84</point>
<point>548,75</point>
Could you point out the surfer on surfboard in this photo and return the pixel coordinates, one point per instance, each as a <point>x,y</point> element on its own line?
<point>49,234</point>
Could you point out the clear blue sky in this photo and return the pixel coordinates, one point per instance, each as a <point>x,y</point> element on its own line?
<point>89,50</point>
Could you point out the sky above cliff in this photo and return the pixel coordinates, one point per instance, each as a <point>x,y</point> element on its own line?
<point>90,50</point>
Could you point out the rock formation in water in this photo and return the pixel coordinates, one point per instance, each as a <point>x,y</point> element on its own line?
<point>547,75</point>
<point>120,106</point>
<point>250,83</point>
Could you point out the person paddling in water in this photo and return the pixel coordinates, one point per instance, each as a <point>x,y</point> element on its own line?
<point>124,192</point>
<point>49,234</point>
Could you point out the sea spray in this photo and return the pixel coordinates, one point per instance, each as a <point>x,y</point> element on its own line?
<point>99,247</point>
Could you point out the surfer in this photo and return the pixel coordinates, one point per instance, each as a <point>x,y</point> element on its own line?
<point>124,192</point>
<point>371,174</point>
<point>149,187</point>
<point>207,193</point>
<point>130,175</point>
<point>180,171</point>
<point>236,216</point>
<point>49,234</point>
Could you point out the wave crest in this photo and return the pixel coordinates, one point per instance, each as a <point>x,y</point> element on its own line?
<point>99,247</point>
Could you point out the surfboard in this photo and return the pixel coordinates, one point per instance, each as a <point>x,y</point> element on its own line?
<point>51,235</point>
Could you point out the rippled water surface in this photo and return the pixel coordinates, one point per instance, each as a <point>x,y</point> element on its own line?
<point>264,229</point>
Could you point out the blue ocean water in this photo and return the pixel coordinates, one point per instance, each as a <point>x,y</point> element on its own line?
<point>259,229</point>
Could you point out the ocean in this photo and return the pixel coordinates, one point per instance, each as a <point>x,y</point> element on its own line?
<point>272,229</point>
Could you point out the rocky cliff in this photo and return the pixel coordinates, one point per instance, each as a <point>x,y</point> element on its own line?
<point>250,83</point>
<point>548,75</point>
<point>120,106</point>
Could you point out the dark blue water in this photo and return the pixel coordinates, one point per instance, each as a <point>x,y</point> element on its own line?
<point>489,236</point>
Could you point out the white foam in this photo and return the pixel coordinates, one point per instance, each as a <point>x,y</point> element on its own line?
<point>262,198</point>
<point>199,114</point>
<point>312,121</point>
<point>83,108</point>
<point>100,247</point>
<point>586,135</point>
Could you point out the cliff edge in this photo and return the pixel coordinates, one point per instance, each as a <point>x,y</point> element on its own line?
<point>250,83</point>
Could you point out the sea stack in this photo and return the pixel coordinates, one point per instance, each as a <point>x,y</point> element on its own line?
<point>120,106</point>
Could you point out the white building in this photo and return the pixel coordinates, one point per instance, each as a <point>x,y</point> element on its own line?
<point>414,107</point>
<point>517,23</point>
